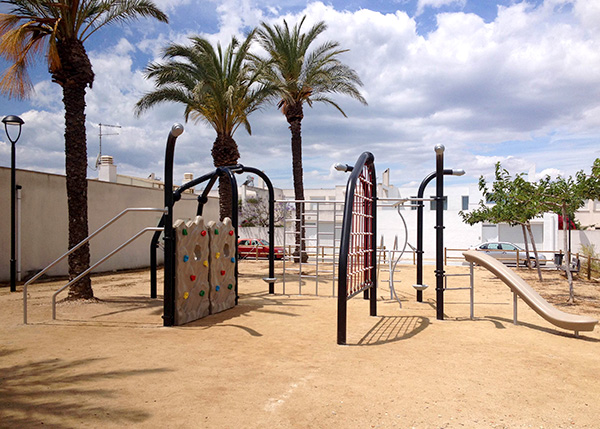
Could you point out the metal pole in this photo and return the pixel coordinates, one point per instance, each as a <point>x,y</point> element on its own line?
<point>13,218</point>
<point>419,285</point>
<point>13,120</point>
<point>169,236</point>
<point>439,212</point>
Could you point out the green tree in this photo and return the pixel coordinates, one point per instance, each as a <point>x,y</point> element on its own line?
<point>566,195</point>
<point>217,87</point>
<point>516,202</point>
<point>302,76</point>
<point>57,31</point>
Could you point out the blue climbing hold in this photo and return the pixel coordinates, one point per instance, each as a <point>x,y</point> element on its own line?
<point>186,258</point>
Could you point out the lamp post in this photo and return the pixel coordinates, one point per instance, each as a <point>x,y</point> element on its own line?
<point>13,120</point>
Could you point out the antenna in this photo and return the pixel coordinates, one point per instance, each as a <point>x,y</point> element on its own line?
<point>100,134</point>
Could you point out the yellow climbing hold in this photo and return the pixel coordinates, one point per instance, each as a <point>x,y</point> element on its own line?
<point>186,295</point>
<point>217,255</point>
<point>205,263</point>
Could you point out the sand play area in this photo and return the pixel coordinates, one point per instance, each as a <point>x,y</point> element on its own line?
<point>273,362</point>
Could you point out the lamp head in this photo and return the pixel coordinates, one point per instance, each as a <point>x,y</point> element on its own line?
<point>458,172</point>
<point>12,120</point>
<point>439,148</point>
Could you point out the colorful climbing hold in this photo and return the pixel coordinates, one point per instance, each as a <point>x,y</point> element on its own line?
<point>201,293</point>
<point>217,255</point>
<point>186,258</point>
<point>217,288</point>
<point>230,286</point>
<point>222,272</point>
<point>203,233</point>
<point>186,295</point>
<point>205,263</point>
<point>232,259</point>
<point>184,232</point>
<point>216,232</point>
<point>231,232</point>
<point>192,277</point>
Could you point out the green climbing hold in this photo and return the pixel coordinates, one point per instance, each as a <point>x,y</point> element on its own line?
<point>184,232</point>
<point>230,286</point>
<point>201,293</point>
<point>216,232</point>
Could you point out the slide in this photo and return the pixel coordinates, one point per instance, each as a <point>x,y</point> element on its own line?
<point>571,322</point>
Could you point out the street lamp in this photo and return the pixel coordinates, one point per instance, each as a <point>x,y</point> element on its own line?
<point>12,121</point>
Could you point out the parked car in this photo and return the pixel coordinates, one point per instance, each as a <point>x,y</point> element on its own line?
<point>507,253</point>
<point>253,247</point>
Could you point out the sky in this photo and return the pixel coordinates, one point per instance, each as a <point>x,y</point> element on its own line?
<point>516,82</point>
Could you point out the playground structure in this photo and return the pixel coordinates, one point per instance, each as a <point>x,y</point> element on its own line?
<point>520,288</point>
<point>357,254</point>
<point>200,275</point>
<point>201,267</point>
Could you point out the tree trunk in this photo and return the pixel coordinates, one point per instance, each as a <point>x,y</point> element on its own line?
<point>294,117</point>
<point>74,76</point>
<point>571,299</point>
<point>225,153</point>
<point>535,252</point>
<point>526,241</point>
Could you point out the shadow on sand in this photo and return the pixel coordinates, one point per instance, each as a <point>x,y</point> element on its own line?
<point>389,329</point>
<point>52,393</point>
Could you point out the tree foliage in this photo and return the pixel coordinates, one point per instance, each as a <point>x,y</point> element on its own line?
<point>518,201</point>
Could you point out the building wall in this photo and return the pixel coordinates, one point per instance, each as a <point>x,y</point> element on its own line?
<point>44,222</point>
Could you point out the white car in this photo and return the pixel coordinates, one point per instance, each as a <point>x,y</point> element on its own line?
<point>507,253</point>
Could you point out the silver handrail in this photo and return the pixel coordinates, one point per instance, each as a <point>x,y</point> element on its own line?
<point>110,222</point>
<point>150,228</point>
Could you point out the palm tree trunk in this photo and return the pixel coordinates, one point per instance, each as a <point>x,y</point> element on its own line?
<point>294,117</point>
<point>74,76</point>
<point>225,152</point>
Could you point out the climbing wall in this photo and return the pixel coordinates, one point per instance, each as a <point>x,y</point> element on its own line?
<point>222,265</point>
<point>192,286</point>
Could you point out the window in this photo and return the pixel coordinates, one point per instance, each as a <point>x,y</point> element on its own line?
<point>465,202</point>
<point>495,246</point>
<point>433,206</point>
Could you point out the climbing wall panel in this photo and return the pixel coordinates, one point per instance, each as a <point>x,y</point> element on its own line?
<point>192,288</point>
<point>222,265</point>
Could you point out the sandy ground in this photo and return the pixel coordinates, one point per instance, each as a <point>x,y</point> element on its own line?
<point>273,360</point>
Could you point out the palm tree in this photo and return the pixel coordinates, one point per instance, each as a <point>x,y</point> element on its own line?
<point>217,87</point>
<point>299,77</point>
<point>58,30</point>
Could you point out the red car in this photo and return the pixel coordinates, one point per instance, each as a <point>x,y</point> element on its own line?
<point>253,247</point>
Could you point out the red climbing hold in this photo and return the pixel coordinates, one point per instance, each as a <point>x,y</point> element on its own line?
<point>192,277</point>
<point>222,272</point>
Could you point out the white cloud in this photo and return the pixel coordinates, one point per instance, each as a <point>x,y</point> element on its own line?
<point>518,89</point>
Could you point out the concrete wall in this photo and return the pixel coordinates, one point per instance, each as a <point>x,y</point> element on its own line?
<point>44,222</point>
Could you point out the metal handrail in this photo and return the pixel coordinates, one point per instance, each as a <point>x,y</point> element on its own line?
<point>110,222</point>
<point>139,233</point>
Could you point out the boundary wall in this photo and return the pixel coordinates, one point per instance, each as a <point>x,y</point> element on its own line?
<point>44,223</point>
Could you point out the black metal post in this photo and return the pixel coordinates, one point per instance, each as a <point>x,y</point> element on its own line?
<point>169,292</point>
<point>13,219</point>
<point>439,241</point>
<point>419,285</point>
<point>13,120</point>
